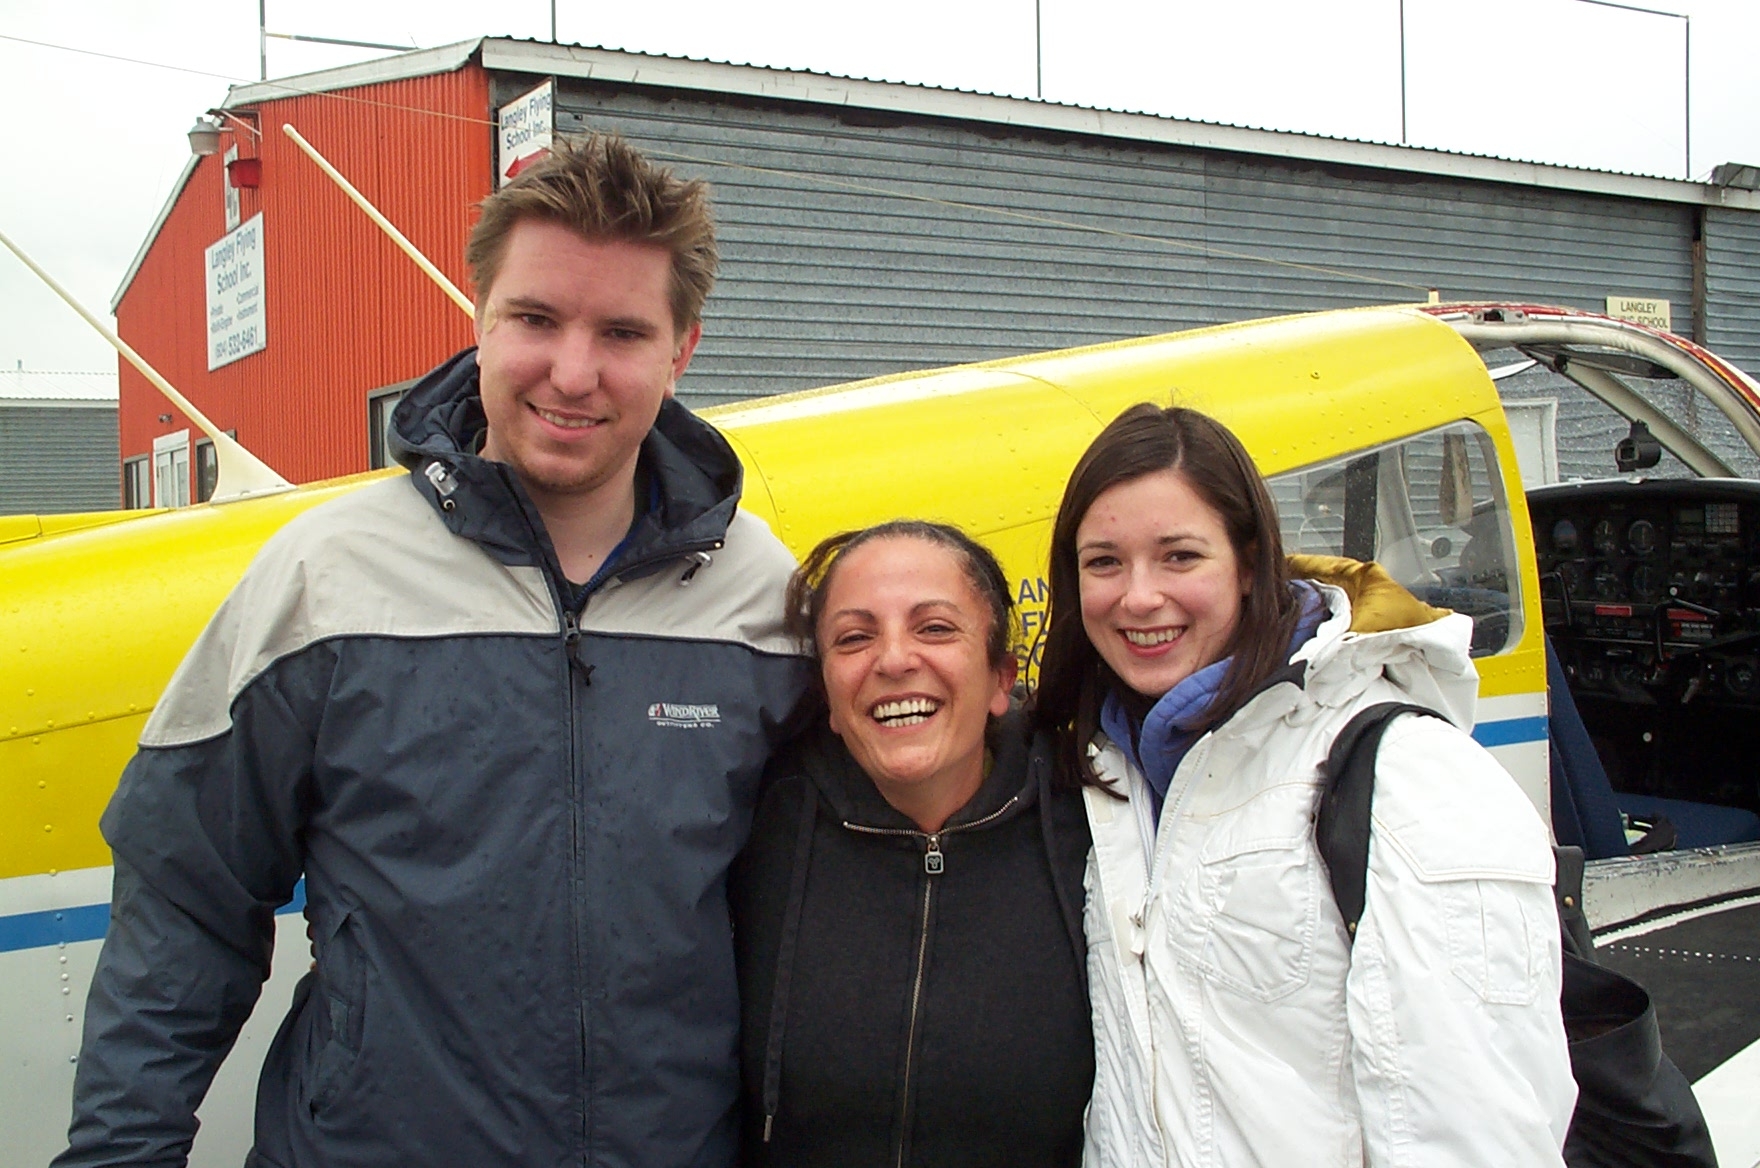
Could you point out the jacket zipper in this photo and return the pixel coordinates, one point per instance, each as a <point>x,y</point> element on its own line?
<point>577,669</point>
<point>577,674</point>
<point>910,1041</point>
<point>1170,816</point>
<point>580,675</point>
<point>1200,753</point>
<point>934,863</point>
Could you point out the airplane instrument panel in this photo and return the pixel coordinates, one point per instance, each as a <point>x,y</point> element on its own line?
<point>1651,596</point>
<point>1653,586</point>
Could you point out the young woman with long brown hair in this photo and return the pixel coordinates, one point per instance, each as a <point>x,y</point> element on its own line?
<point>1193,686</point>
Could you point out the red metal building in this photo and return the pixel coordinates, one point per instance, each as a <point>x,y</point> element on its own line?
<point>345,312</point>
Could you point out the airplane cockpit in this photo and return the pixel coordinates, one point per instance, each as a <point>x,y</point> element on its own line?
<point>1651,598</point>
<point>1646,531</point>
<point>1644,499</point>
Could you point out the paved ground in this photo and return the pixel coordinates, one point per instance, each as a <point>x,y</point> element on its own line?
<point>1704,976</point>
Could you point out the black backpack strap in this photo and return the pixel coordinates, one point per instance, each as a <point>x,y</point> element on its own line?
<point>1567,892</point>
<point>1347,789</point>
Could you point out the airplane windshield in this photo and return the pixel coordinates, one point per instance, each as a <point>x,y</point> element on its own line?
<point>1564,433</point>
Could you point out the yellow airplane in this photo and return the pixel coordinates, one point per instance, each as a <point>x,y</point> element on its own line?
<point>1381,431</point>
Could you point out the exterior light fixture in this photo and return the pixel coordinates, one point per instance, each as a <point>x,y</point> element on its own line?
<point>204,137</point>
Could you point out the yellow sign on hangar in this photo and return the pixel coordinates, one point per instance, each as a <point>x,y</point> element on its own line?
<point>1641,310</point>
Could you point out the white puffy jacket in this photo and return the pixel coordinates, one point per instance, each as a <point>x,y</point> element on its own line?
<point>1233,1023</point>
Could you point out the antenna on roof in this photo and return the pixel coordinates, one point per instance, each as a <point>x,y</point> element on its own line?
<point>241,473</point>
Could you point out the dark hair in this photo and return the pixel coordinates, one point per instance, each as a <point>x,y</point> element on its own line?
<point>602,188</point>
<point>805,602</point>
<point>1073,678</point>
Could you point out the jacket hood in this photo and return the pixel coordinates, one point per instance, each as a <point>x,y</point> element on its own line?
<point>1378,601</point>
<point>851,796</point>
<point>1376,627</point>
<point>437,430</point>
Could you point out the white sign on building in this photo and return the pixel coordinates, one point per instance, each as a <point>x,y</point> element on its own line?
<point>526,125</point>
<point>1640,310</point>
<point>235,294</point>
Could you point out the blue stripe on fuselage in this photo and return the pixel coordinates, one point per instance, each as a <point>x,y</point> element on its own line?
<point>1510,731</point>
<point>83,922</point>
<point>88,922</point>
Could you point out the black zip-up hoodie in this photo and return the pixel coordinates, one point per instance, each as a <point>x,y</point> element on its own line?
<point>912,998</point>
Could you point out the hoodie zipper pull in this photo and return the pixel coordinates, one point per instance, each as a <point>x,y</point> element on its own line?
<point>933,861</point>
<point>768,1120</point>
<point>571,641</point>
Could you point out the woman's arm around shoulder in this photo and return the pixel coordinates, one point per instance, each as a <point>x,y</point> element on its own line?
<point>760,874</point>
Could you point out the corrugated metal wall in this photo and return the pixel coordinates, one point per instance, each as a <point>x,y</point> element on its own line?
<point>865,244</point>
<point>839,268</point>
<point>1732,286</point>
<point>55,459</point>
<point>346,311</point>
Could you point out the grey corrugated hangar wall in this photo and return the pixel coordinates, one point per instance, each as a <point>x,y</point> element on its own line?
<point>1732,286</point>
<point>56,458</point>
<point>857,243</point>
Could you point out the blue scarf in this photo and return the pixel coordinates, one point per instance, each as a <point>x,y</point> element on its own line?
<point>1171,726</point>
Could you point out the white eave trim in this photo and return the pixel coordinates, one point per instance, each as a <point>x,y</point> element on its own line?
<point>542,57</point>
<point>140,257</point>
<point>401,67</point>
<point>57,403</point>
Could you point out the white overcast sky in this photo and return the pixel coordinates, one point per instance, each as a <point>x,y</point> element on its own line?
<point>89,146</point>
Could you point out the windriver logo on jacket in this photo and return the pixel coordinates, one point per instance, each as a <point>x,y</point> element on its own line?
<point>684,717</point>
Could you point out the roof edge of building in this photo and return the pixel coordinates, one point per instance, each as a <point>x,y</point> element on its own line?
<point>140,255</point>
<point>401,67</point>
<point>58,403</point>
<point>687,73</point>
<point>799,85</point>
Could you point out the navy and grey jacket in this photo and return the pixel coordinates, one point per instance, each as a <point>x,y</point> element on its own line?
<point>514,822</point>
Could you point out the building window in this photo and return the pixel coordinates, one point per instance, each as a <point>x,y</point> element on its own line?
<point>171,470</point>
<point>208,467</point>
<point>137,482</point>
<point>380,403</point>
<point>207,470</point>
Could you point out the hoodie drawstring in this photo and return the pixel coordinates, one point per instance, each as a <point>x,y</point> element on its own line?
<point>445,485</point>
<point>791,927</point>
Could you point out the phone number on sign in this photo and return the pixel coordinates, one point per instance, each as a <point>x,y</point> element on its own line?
<point>237,344</point>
